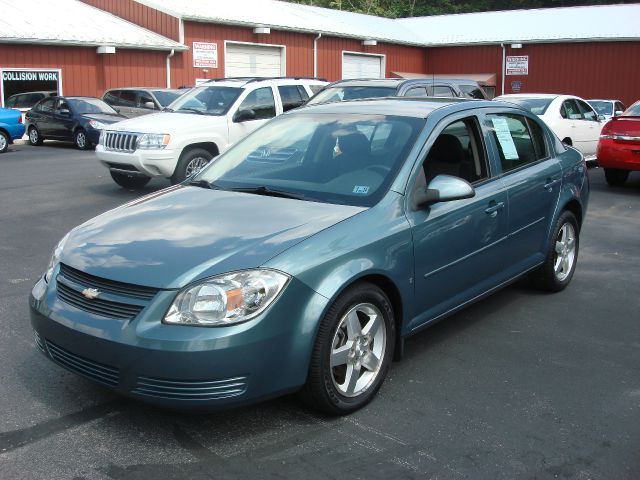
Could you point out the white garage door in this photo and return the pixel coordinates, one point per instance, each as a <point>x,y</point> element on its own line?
<point>253,61</point>
<point>361,66</point>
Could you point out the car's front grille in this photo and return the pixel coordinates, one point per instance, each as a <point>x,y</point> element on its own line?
<point>98,372</point>
<point>97,306</point>
<point>120,141</point>
<point>105,285</point>
<point>190,390</point>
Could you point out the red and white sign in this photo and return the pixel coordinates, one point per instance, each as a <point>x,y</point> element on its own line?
<point>517,65</point>
<point>205,55</point>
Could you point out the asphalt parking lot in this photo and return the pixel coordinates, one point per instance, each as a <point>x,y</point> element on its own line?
<point>521,385</point>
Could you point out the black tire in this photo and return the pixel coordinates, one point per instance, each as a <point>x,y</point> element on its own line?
<point>546,277</point>
<point>185,165</point>
<point>129,181</point>
<point>322,391</point>
<point>4,142</point>
<point>615,176</point>
<point>81,140</point>
<point>35,138</point>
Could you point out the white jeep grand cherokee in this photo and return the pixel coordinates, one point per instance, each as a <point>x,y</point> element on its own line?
<point>196,127</point>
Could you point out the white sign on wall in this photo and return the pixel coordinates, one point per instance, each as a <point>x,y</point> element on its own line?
<point>205,55</point>
<point>517,65</point>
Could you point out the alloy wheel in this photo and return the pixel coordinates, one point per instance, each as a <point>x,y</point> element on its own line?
<point>33,135</point>
<point>81,140</point>
<point>195,165</point>
<point>565,251</point>
<point>3,143</point>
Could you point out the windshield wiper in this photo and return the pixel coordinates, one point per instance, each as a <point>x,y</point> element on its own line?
<point>269,192</point>
<point>190,110</point>
<point>204,184</point>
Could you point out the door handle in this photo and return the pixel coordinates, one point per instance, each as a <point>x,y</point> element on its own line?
<point>493,208</point>
<point>550,183</point>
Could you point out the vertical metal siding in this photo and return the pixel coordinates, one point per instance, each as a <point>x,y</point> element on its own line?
<point>586,69</point>
<point>142,15</point>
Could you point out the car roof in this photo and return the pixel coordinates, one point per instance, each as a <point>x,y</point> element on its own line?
<point>603,100</point>
<point>396,82</point>
<point>242,81</point>
<point>396,106</point>
<point>142,88</point>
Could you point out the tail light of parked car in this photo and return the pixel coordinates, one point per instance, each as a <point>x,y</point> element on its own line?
<point>624,129</point>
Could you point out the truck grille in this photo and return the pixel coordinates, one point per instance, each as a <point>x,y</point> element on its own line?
<point>120,142</point>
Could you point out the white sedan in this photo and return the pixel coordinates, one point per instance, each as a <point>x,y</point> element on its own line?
<point>571,118</point>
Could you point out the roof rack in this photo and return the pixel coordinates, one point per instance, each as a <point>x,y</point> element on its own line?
<point>258,79</point>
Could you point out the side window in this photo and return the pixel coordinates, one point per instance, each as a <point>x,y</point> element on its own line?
<point>587,112</point>
<point>472,91</point>
<point>24,101</point>
<point>442,91</point>
<point>127,98</point>
<point>316,88</point>
<point>303,93</point>
<point>61,104</point>
<point>513,140</point>
<point>46,106</point>
<point>290,96</point>
<point>538,136</point>
<point>143,99</point>
<point>619,107</point>
<point>111,97</point>
<point>570,110</point>
<point>11,102</point>
<point>260,101</point>
<point>458,151</point>
<point>417,92</point>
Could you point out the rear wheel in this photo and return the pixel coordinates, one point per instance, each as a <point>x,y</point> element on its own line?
<point>81,140</point>
<point>4,142</point>
<point>129,181</point>
<point>615,176</point>
<point>562,256</point>
<point>191,162</point>
<point>34,136</point>
<point>352,352</point>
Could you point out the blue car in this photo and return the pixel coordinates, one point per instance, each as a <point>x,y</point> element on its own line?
<point>303,256</point>
<point>11,127</point>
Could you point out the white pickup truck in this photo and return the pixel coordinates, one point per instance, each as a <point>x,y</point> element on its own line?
<point>196,127</point>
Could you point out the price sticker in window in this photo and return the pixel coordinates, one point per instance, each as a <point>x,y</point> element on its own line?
<point>501,127</point>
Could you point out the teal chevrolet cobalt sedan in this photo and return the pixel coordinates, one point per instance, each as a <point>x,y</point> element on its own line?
<point>301,258</point>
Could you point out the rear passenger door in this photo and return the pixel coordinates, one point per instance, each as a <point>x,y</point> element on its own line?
<point>532,175</point>
<point>292,96</point>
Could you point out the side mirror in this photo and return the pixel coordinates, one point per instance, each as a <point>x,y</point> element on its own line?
<point>443,188</point>
<point>601,118</point>
<point>149,105</point>
<point>617,113</point>
<point>65,112</point>
<point>244,115</point>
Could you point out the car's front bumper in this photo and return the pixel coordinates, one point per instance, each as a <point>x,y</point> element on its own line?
<point>152,163</point>
<point>183,366</point>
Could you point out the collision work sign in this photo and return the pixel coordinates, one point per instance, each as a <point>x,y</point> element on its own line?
<point>205,55</point>
<point>517,65</point>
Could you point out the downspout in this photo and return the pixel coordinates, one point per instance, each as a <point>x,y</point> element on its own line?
<point>504,61</point>
<point>169,67</point>
<point>315,55</point>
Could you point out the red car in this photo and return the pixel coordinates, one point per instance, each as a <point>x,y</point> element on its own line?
<point>619,146</point>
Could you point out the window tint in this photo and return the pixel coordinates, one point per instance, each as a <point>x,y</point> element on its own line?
<point>303,93</point>
<point>46,106</point>
<point>111,97</point>
<point>620,107</point>
<point>143,99</point>
<point>472,91</point>
<point>513,140</point>
<point>290,96</point>
<point>61,104</point>
<point>442,91</point>
<point>538,136</point>
<point>457,151</point>
<point>570,110</point>
<point>11,102</point>
<point>127,98</point>
<point>315,88</point>
<point>587,112</point>
<point>260,101</point>
<point>417,92</point>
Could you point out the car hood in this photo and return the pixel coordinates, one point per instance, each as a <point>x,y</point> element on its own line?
<point>182,234</point>
<point>102,117</point>
<point>167,122</point>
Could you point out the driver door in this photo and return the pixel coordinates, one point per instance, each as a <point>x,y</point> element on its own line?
<point>62,121</point>
<point>262,102</point>
<point>457,244</point>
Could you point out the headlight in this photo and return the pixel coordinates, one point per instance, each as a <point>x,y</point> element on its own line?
<point>55,258</point>
<point>153,140</point>
<point>96,124</point>
<point>226,299</point>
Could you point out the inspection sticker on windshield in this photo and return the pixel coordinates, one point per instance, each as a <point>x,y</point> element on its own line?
<point>501,127</point>
<point>360,189</point>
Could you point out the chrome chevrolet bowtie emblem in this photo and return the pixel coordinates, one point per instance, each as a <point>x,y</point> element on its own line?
<point>90,293</point>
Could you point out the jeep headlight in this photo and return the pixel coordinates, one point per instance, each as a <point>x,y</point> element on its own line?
<point>153,140</point>
<point>226,299</point>
<point>55,258</point>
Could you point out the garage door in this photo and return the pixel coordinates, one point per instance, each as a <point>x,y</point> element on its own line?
<point>361,66</point>
<point>253,61</point>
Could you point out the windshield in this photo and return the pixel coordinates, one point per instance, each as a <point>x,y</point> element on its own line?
<point>603,107</point>
<point>206,100</point>
<point>343,159</point>
<point>633,110</point>
<point>535,105</point>
<point>90,105</point>
<point>342,94</point>
<point>165,97</point>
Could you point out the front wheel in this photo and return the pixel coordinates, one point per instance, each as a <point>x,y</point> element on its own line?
<point>352,352</point>
<point>129,181</point>
<point>4,142</point>
<point>81,140</point>
<point>191,162</point>
<point>562,256</point>
<point>34,136</point>
<point>615,176</point>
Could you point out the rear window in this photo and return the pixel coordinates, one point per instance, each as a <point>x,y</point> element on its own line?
<point>473,91</point>
<point>633,109</point>
<point>603,107</point>
<point>343,94</point>
<point>165,97</point>
<point>537,106</point>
